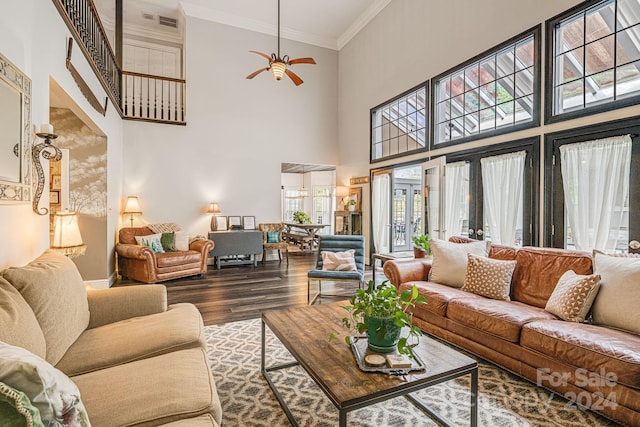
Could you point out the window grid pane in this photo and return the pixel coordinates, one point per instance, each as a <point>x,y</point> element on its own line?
<point>502,79</point>
<point>595,54</point>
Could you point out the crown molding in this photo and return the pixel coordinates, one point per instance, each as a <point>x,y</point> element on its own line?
<point>362,21</point>
<point>208,14</point>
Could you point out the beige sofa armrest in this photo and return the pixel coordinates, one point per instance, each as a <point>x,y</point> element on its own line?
<point>115,304</point>
<point>135,251</point>
<point>400,271</point>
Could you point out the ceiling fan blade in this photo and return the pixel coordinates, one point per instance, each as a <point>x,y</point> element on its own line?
<point>301,61</point>
<point>264,55</point>
<point>294,77</point>
<point>255,73</point>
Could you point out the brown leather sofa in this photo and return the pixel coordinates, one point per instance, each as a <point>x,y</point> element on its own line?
<point>142,264</point>
<point>592,366</point>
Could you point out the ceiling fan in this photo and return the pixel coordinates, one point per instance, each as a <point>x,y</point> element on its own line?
<point>278,65</point>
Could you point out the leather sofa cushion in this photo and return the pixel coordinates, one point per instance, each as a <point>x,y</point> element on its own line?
<point>538,270</point>
<point>500,318</point>
<point>128,235</point>
<point>170,259</point>
<point>501,252</point>
<point>133,339</point>
<point>592,347</point>
<point>19,326</point>
<point>53,288</point>
<point>150,392</point>
<point>438,296</point>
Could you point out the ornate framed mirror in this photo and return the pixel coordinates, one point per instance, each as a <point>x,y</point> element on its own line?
<point>15,138</point>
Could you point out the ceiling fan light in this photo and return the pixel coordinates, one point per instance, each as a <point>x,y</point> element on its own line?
<point>278,68</point>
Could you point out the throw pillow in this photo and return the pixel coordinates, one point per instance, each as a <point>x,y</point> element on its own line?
<point>616,304</point>
<point>16,408</point>
<point>152,241</point>
<point>573,295</point>
<point>168,242</point>
<point>52,392</point>
<point>488,277</point>
<point>449,265</point>
<point>181,240</point>
<point>53,288</point>
<point>339,261</point>
<point>164,227</point>
<point>273,237</point>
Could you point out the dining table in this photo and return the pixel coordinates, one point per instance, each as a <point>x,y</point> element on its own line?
<point>304,234</point>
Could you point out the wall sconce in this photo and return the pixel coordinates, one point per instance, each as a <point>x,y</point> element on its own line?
<point>49,152</point>
<point>66,235</point>
<point>215,210</point>
<point>132,207</point>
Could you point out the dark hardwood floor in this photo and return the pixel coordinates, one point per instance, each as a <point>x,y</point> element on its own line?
<point>243,292</point>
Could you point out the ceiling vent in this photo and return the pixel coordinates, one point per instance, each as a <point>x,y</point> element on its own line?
<point>169,22</point>
<point>148,16</point>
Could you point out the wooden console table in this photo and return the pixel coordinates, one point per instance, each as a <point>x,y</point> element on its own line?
<point>235,247</point>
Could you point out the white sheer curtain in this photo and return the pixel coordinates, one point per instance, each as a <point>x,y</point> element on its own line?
<point>380,215</point>
<point>595,176</point>
<point>456,190</point>
<point>502,181</point>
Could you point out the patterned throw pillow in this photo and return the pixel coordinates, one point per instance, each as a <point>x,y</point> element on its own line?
<point>273,237</point>
<point>16,408</point>
<point>164,227</point>
<point>449,265</point>
<point>616,304</point>
<point>168,242</point>
<point>573,295</point>
<point>151,240</point>
<point>52,392</point>
<point>339,261</point>
<point>488,277</point>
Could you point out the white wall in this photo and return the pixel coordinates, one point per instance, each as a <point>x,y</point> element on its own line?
<point>34,38</point>
<point>411,41</point>
<point>238,131</point>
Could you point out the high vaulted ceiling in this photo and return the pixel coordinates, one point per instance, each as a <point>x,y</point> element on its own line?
<point>325,23</point>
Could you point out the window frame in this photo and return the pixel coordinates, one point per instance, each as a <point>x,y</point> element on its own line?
<point>427,116</point>
<point>549,100</point>
<point>536,31</point>
<point>553,189</point>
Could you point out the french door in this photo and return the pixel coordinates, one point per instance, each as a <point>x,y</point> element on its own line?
<point>488,193</point>
<point>406,213</point>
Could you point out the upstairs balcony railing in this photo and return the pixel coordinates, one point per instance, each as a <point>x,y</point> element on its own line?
<point>136,96</point>
<point>153,98</point>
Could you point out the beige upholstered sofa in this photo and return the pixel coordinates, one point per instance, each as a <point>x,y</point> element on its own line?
<point>135,361</point>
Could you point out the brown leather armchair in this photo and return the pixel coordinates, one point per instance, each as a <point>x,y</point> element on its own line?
<point>142,264</point>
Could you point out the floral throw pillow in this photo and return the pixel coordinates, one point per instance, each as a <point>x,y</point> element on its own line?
<point>52,392</point>
<point>16,408</point>
<point>153,241</point>
<point>488,277</point>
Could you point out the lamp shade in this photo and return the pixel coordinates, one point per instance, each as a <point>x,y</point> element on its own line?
<point>213,208</point>
<point>132,206</point>
<point>278,68</point>
<point>66,234</point>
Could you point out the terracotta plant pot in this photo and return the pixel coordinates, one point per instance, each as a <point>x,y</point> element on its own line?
<point>419,253</point>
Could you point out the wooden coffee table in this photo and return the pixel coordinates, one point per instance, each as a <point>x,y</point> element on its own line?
<point>305,331</point>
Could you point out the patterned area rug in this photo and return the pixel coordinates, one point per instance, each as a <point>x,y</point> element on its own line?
<point>504,399</point>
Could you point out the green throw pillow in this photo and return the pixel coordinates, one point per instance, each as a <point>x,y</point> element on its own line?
<point>273,237</point>
<point>168,241</point>
<point>16,408</point>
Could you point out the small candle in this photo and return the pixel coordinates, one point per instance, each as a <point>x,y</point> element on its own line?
<point>46,128</point>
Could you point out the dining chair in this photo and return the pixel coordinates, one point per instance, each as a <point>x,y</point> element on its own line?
<point>273,239</point>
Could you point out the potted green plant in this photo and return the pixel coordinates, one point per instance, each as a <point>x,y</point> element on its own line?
<point>351,205</point>
<point>301,217</point>
<point>381,313</point>
<point>420,245</point>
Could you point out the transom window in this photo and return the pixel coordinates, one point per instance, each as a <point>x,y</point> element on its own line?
<point>399,126</point>
<point>596,58</point>
<point>490,94</point>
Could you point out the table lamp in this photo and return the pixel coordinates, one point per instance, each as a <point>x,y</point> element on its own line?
<point>215,210</point>
<point>132,207</point>
<point>66,235</point>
